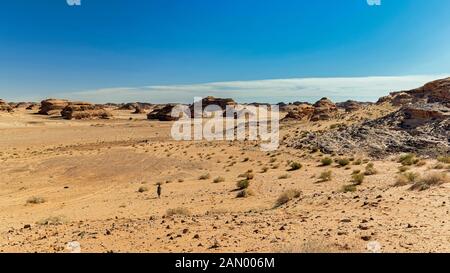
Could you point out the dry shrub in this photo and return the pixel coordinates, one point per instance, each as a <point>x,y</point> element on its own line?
<point>406,178</point>
<point>244,193</point>
<point>431,180</point>
<point>219,179</point>
<point>325,176</point>
<point>286,197</point>
<point>36,200</point>
<point>243,184</point>
<point>178,211</point>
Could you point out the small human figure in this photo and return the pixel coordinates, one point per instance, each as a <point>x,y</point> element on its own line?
<point>158,190</point>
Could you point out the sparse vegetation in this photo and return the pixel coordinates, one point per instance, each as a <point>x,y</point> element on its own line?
<point>406,178</point>
<point>325,176</point>
<point>295,166</point>
<point>243,184</point>
<point>51,221</point>
<point>343,162</point>
<point>444,159</point>
<point>283,176</point>
<point>433,179</point>
<point>349,188</point>
<point>370,169</point>
<point>205,176</point>
<point>36,200</point>
<point>358,179</point>
<point>286,197</point>
<point>178,211</point>
<point>326,161</point>
<point>219,179</point>
<point>408,159</point>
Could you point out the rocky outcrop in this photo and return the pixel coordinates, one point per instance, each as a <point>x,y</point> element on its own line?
<point>351,105</point>
<point>436,91</point>
<point>419,128</point>
<point>299,112</point>
<point>52,106</point>
<point>5,107</point>
<point>324,109</point>
<point>136,105</point>
<point>222,103</point>
<point>84,110</point>
<point>33,106</point>
<point>163,114</point>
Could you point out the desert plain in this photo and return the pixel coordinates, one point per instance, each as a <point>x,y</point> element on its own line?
<point>94,182</point>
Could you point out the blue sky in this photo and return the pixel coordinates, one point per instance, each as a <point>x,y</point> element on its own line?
<point>118,50</point>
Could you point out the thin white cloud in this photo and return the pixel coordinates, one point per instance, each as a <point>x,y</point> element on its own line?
<point>272,91</point>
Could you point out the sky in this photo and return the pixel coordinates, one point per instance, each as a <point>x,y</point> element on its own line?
<point>253,50</point>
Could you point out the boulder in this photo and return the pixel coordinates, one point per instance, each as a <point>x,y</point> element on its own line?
<point>350,105</point>
<point>52,106</point>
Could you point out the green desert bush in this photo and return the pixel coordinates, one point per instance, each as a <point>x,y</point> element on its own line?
<point>243,184</point>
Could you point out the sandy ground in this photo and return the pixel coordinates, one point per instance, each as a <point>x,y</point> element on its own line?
<point>89,173</point>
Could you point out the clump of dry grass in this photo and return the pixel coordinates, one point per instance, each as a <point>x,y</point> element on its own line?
<point>286,197</point>
<point>325,176</point>
<point>36,200</point>
<point>431,180</point>
<point>178,211</point>
<point>406,179</point>
<point>444,159</point>
<point>306,247</point>
<point>349,188</point>
<point>205,176</point>
<point>408,159</point>
<point>358,179</point>
<point>219,179</point>
<point>52,221</point>
<point>283,176</point>
<point>370,169</point>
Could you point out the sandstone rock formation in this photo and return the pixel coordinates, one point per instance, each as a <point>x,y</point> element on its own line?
<point>324,109</point>
<point>163,114</point>
<point>222,103</point>
<point>300,112</point>
<point>52,106</point>
<point>436,91</point>
<point>351,105</point>
<point>84,110</point>
<point>136,105</point>
<point>4,107</point>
